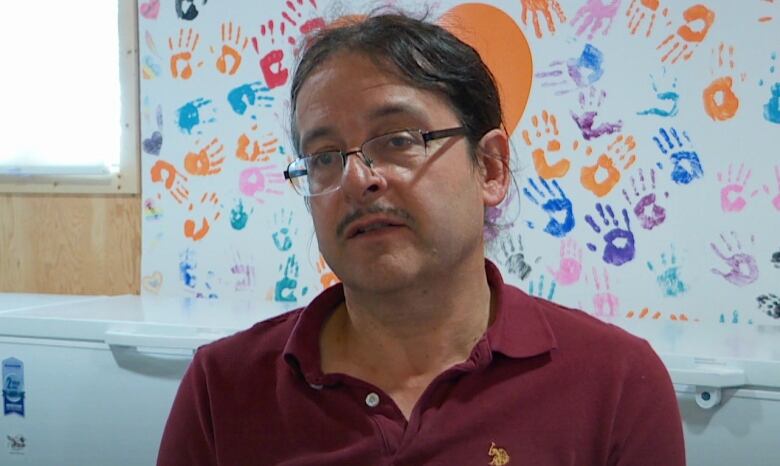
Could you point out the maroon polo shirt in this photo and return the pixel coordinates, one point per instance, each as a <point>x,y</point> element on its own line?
<point>545,385</point>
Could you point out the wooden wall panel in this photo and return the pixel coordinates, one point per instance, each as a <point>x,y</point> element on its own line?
<point>70,244</point>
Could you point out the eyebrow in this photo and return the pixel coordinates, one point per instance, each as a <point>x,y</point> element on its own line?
<point>392,109</point>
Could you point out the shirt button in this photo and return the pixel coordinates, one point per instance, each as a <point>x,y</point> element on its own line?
<point>372,400</point>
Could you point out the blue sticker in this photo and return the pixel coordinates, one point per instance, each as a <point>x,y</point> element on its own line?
<point>13,387</point>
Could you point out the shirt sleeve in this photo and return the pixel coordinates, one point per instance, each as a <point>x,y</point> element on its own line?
<point>648,428</point>
<point>188,438</point>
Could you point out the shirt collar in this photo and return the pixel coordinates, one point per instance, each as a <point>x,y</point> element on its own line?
<point>519,329</point>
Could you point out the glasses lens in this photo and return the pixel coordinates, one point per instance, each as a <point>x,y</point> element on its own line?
<point>402,149</point>
<point>316,173</point>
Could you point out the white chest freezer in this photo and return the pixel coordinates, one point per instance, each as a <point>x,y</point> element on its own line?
<point>91,381</point>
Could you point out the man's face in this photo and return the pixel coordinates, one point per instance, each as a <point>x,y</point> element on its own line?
<point>384,229</point>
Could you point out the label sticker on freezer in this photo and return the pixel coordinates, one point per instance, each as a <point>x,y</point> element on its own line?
<point>13,387</point>
<point>16,444</point>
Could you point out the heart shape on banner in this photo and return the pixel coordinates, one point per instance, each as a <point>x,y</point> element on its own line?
<point>153,283</point>
<point>151,9</point>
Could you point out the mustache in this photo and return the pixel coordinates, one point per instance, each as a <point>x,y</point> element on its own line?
<point>374,209</point>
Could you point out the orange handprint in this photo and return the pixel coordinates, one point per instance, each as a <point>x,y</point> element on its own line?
<point>621,148</point>
<point>211,202</point>
<point>720,101</point>
<point>232,48</point>
<point>184,56</point>
<point>261,151</point>
<point>173,180</point>
<point>327,277</point>
<point>638,10</point>
<point>687,39</point>
<point>542,7</point>
<point>207,161</point>
<point>547,142</point>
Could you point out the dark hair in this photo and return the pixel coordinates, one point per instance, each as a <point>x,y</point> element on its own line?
<point>426,55</point>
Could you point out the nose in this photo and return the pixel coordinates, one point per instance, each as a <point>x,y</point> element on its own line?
<point>360,180</point>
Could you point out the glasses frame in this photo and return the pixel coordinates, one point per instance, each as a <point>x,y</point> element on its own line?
<point>427,136</point>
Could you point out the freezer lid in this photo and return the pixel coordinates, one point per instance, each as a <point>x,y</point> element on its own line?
<point>16,301</point>
<point>130,320</point>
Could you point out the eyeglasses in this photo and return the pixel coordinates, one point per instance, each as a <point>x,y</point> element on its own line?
<point>321,173</point>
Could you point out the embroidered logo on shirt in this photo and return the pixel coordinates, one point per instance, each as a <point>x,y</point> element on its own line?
<point>498,456</point>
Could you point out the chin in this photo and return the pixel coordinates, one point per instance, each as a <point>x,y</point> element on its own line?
<point>382,274</point>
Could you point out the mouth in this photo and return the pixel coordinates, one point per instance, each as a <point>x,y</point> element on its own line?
<point>372,227</point>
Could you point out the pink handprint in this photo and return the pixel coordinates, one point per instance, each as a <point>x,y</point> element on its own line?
<point>256,181</point>
<point>605,302</point>
<point>730,195</point>
<point>594,14</point>
<point>542,7</point>
<point>570,267</point>
<point>776,199</point>
<point>743,269</point>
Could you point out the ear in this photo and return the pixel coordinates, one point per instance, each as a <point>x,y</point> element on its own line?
<point>493,152</point>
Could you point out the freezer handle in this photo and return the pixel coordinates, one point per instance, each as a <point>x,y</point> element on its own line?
<point>716,377</point>
<point>187,342</point>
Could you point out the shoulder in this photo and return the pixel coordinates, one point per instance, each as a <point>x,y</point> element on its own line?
<point>264,340</point>
<point>584,341</point>
<point>576,329</point>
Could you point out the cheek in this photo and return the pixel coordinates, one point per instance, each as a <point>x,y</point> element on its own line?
<point>324,220</point>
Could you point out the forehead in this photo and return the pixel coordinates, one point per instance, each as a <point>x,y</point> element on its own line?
<point>351,91</point>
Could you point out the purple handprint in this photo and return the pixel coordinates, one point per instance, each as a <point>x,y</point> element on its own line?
<point>743,269</point>
<point>590,103</point>
<point>594,14</point>
<point>244,272</point>
<point>619,245</point>
<point>646,208</point>
<point>574,73</point>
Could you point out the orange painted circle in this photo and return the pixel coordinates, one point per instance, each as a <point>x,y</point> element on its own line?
<point>504,49</point>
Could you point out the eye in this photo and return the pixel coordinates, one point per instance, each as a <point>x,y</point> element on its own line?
<point>322,160</point>
<point>399,141</point>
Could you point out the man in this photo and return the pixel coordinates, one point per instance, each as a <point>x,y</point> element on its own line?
<point>422,356</point>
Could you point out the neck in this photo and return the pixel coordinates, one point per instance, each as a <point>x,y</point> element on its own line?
<point>420,330</point>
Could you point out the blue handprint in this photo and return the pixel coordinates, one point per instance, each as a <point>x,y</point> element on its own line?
<point>574,73</point>
<point>772,106</point>
<point>283,236</point>
<point>537,289</point>
<point>254,93</point>
<point>669,278</point>
<point>190,117</point>
<point>671,95</point>
<point>615,254</point>
<point>687,166</point>
<point>285,287</point>
<point>555,204</point>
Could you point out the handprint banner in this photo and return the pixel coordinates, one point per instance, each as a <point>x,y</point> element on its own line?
<point>645,139</point>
